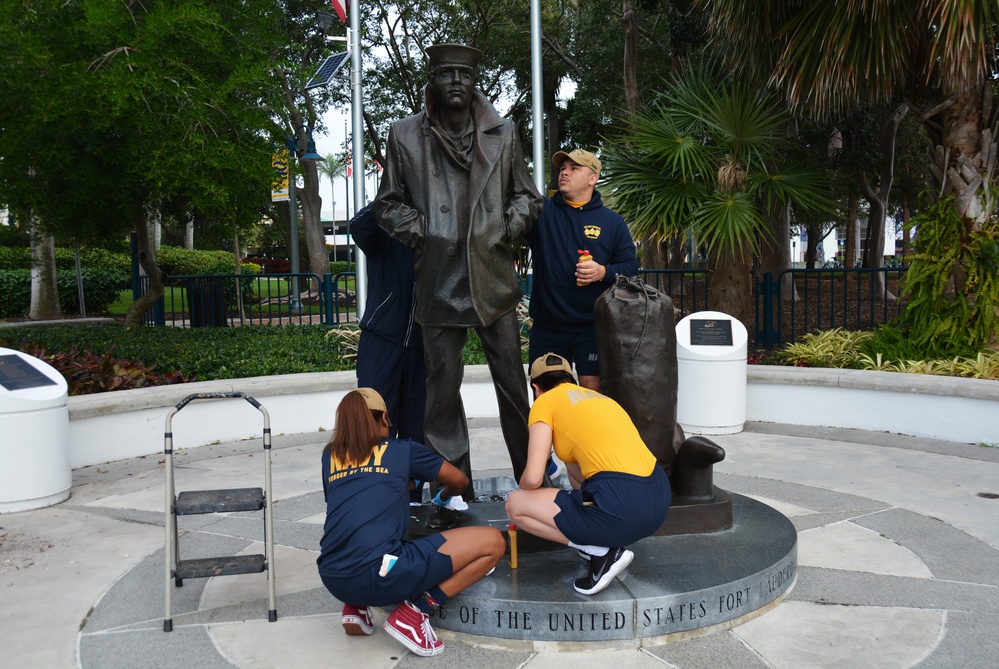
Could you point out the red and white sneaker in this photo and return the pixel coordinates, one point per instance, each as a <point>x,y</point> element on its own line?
<point>356,620</point>
<point>411,627</point>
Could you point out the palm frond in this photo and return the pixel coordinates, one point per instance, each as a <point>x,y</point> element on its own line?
<point>809,189</point>
<point>656,137</point>
<point>841,51</point>
<point>726,221</point>
<point>964,40</point>
<point>706,158</point>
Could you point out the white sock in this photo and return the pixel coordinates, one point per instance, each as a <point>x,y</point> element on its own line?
<point>596,551</point>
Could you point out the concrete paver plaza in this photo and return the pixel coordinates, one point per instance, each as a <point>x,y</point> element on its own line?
<point>898,566</point>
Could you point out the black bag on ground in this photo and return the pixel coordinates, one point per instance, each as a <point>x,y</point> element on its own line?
<point>636,342</point>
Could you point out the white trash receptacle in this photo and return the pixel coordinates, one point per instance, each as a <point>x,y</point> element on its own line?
<point>34,434</point>
<point>711,369</point>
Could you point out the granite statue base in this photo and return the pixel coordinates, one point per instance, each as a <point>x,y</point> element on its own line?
<point>677,583</point>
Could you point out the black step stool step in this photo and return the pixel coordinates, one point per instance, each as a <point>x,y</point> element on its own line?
<point>220,566</point>
<point>219,501</point>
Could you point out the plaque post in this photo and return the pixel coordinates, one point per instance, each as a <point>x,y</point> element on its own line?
<point>34,421</point>
<point>711,353</point>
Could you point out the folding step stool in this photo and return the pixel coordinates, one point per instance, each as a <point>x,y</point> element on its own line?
<point>216,501</point>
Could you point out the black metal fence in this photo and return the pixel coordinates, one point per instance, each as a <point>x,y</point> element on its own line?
<point>794,303</point>
<point>800,301</point>
<point>226,300</point>
<point>688,288</point>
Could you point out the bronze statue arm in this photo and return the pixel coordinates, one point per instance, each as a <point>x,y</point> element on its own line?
<point>392,206</point>
<point>523,202</point>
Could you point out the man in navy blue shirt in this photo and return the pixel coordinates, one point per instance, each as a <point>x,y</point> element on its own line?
<point>578,246</point>
<point>390,351</point>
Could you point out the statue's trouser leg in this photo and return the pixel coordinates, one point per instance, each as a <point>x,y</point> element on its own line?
<point>501,344</point>
<point>444,425</point>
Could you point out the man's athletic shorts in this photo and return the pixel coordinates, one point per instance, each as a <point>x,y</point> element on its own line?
<point>614,509</point>
<point>419,568</point>
<point>578,347</point>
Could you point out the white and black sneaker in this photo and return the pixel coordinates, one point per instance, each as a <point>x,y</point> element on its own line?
<point>603,570</point>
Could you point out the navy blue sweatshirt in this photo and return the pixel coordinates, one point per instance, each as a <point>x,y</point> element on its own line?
<point>556,238</point>
<point>391,299</point>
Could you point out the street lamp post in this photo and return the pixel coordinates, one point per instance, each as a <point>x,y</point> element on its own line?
<point>309,155</point>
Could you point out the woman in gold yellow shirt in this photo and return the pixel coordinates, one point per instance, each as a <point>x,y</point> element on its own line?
<point>620,494</point>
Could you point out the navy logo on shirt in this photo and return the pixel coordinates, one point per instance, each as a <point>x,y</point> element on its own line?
<point>338,469</point>
<point>591,231</point>
<point>577,395</point>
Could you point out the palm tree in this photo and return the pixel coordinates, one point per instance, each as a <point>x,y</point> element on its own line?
<point>939,55</point>
<point>707,161</point>
<point>332,167</point>
<point>827,57</point>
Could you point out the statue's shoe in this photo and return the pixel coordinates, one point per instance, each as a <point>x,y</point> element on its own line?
<point>442,519</point>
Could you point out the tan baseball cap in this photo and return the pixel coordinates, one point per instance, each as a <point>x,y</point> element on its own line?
<point>578,156</point>
<point>373,400</point>
<point>549,362</point>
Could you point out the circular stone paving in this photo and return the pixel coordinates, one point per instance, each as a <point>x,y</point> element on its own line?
<point>675,584</point>
<point>874,585</point>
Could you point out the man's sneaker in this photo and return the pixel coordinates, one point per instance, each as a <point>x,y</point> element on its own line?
<point>411,627</point>
<point>356,620</point>
<point>603,570</point>
<point>584,557</point>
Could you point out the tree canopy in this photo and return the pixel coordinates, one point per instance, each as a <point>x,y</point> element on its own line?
<point>106,104</point>
<point>828,58</point>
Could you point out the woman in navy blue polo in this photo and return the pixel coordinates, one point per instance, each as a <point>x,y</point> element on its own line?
<point>365,559</point>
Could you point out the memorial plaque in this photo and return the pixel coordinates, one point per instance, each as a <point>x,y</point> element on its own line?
<point>18,374</point>
<point>710,332</point>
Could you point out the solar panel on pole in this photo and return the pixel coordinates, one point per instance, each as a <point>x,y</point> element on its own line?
<point>327,70</point>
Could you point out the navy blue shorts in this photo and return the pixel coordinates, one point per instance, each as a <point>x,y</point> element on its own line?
<point>624,509</point>
<point>579,348</point>
<point>419,568</point>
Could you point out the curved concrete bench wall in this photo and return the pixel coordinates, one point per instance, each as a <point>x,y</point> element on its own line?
<point>125,424</point>
<point>934,407</point>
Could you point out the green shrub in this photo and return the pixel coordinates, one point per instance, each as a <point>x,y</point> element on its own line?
<point>830,348</point>
<point>100,289</point>
<point>228,266</point>
<point>893,343</point>
<point>15,286</point>
<point>885,351</point>
<point>97,258</point>
<point>338,266</point>
<point>247,285</point>
<point>186,262</point>
<point>204,354</point>
<point>15,257</point>
<point>952,284</point>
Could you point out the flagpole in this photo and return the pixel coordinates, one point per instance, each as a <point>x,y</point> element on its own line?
<point>356,115</point>
<point>537,97</point>
<point>346,191</point>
